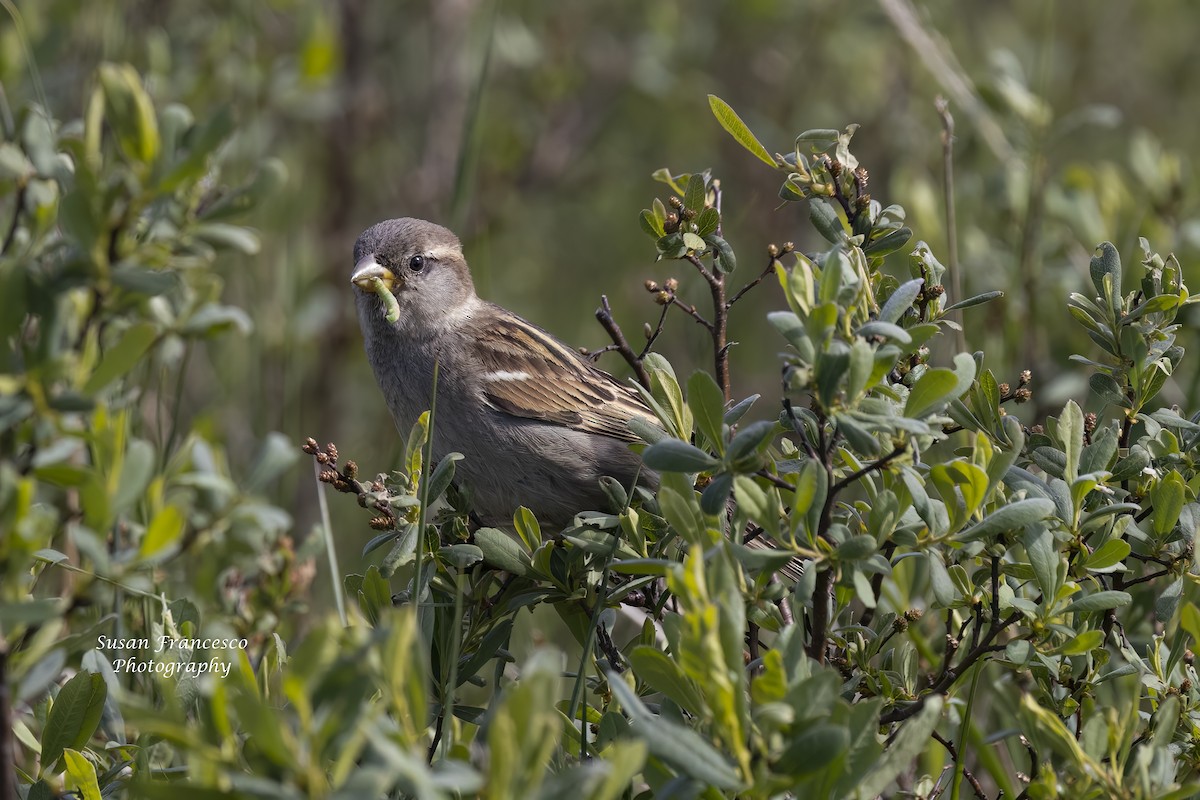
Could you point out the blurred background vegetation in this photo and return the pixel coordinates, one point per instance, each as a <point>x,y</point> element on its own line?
<point>533,128</point>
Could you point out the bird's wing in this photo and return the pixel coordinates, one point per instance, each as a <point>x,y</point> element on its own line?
<point>528,373</point>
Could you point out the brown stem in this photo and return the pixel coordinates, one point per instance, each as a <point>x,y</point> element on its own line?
<point>719,328</point>
<point>770,270</point>
<point>869,468</point>
<point>650,340</point>
<point>8,778</point>
<point>691,311</point>
<point>820,615</point>
<point>605,317</point>
<point>953,751</point>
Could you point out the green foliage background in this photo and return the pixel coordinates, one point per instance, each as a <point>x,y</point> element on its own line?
<point>532,130</point>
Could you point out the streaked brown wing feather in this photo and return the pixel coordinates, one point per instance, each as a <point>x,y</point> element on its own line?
<point>528,373</point>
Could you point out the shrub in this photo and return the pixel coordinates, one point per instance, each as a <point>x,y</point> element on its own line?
<point>979,599</point>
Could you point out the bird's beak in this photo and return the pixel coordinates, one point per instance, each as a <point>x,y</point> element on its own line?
<point>369,268</point>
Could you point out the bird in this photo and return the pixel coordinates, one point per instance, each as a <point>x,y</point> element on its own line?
<point>538,424</point>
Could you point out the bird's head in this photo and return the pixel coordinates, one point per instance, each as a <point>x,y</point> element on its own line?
<point>422,265</point>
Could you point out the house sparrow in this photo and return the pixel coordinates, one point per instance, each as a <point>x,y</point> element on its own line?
<point>538,424</point>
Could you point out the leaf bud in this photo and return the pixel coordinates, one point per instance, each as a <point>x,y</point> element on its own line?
<point>662,298</point>
<point>651,286</point>
<point>671,285</point>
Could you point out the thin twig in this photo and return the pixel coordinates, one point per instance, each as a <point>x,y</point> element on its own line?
<point>951,674</point>
<point>770,270</point>
<point>605,317</point>
<point>653,337</point>
<point>953,751</point>
<point>691,311</point>
<point>869,468</point>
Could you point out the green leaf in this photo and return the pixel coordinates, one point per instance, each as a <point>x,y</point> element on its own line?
<point>732,123</point>
<point>1099,601</point>
<point>707,222</point>
<point>130,112</point>
<point>1107,555</point>
<point>501,551</point>
<point>693,196</point>
<point>888,243</point>
<point>726,259</point>
<point>223,236</point>
<point>908,744</point>
<point>73,716</point>
<point>901,300</point>
<point>1167,497</point>
<point>1107,389</point>
<point>1085,642</point>
<point>679,746</point>
<point>857,548</point>
<point>442,475</point>
<point>750,440</point>
<point>214,318</point>
<point>708,408</point>
<point>664,675</point>
<point>1043,557</point>
<point>137,470</point>
<point>14,164</point>
<point>528,529</point>
<point>162,532</point>
<point>814,749</point>
<point>978,299</point>
<point>81,775</point>
<point>694,243</point>
<point>939,580</point>
<point>826,221</point>
<point>716,494</point>
<point>933,388</point>
<point>122,357</point>
<point>651,224</point>
<point>886,330</point>
<point>462,556</point>
<point>1107,262</point>
<point>1070,433</point>
<point>676,455</point>
<point>1009,518</point>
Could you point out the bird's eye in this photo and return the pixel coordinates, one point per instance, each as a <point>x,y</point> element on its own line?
<point>416,263</point>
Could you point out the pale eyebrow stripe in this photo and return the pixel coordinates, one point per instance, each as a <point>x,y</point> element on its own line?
<point>443,252</point>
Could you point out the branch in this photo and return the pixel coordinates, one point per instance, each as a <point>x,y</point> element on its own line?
<point>604,316</point>
<point>951,674</point>
<point>769,270</point>
<point>691,311</point>
<point>953,751</point>
<point>869,468</point>
<point>820,615</point>
<point>653,337</point>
